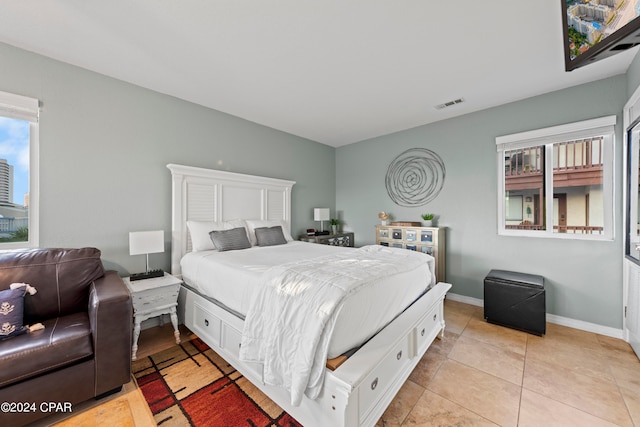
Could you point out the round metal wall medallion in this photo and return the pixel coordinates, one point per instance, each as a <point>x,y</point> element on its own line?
<point>415,177</point>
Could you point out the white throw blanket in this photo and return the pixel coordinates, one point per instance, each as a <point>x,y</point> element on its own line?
<point>290,321</point>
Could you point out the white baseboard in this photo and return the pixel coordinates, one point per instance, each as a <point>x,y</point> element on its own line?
<point>586,326</point>
<point>552,318</point>
<point>467,300</point>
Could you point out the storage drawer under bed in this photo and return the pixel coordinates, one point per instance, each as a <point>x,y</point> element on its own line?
<point>231,339</point>
<point>428,329</point>
<point>206,325</point>
<point>220,336</point>
<point>375,384</point>
<point>212,330</point>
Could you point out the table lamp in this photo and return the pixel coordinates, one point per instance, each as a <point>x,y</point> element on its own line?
<point>321,214</point>
<point>146,242</point>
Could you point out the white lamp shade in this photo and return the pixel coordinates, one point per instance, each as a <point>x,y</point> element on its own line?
<point>321,214</point>
<point>146,242</point>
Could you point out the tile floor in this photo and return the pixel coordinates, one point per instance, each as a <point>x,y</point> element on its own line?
<point>481,375</point>
<point>487,375</point>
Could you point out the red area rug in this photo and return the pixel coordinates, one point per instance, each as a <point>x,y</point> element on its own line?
<point>189,384</point>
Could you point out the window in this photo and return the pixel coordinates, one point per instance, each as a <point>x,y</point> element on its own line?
<point>18,171</point>
<point>558,181</point>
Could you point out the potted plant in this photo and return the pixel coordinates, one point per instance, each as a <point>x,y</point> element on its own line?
<point>335,223</point>
<point>427,219</point>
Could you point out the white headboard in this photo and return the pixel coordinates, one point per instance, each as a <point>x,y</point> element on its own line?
<point>211,195</point>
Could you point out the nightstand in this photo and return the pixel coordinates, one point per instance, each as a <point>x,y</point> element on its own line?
<point>338,239</point>
<point>151,298</point>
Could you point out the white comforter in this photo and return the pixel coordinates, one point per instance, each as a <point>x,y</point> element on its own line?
<point>291,319</point>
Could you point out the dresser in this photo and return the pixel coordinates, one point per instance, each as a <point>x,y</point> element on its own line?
<point>428,240</point>
<point>338,239</point>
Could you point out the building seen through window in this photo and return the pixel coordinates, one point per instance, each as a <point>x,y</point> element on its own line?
<point>578,205</point>
<point>14,180</point>
<point>558,181</point>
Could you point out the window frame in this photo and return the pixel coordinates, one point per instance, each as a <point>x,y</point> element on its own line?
<point>28,109</point>
<point>547,137</point>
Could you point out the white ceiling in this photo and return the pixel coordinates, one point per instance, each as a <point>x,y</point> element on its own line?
<point>333,71</point>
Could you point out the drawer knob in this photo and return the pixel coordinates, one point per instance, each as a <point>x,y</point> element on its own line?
<point>206,322</point>
<point>399,355</point>
<point>374,384</point>
<point>422,332</point>
<point>435,316</point>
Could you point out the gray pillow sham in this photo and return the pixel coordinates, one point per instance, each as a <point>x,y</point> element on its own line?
<point>230,240</point>
<point>270,236</point>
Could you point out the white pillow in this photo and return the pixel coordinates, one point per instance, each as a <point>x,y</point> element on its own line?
<point>199,232</point>
<point>252,224</point>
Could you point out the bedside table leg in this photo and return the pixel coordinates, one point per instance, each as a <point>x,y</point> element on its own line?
<point>174,322</point>
<point>136,335</point>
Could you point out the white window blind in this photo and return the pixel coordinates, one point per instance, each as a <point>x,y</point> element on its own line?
<point>568,132</point>
<point>19,107</point>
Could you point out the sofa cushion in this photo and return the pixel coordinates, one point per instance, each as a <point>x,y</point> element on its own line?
<point>61,276</point>
<point>63,341</point>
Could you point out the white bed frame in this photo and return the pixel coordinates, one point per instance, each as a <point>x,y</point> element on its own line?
<point>358,391</point>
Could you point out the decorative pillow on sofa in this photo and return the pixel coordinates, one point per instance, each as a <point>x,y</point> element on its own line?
<point>230,240</point>
<point>12,310</point>
<point>270,236</point>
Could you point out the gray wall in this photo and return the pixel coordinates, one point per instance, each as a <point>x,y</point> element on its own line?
<point>105,144</point>
<point>633,76</point>
<point>584,278</point>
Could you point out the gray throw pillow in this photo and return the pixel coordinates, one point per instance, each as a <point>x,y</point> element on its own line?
<point>230,240</point>
<point>270,236</point>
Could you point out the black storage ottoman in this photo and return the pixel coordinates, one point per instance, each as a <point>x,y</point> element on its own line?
<point>516,300</point>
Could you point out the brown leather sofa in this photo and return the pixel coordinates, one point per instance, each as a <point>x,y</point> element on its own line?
<point>84,350</point>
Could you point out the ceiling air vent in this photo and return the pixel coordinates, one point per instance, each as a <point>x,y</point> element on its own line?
<point>449,104</point>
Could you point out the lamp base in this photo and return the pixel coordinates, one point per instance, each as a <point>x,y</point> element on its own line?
<point>147,275</point>
<point>322,233</point>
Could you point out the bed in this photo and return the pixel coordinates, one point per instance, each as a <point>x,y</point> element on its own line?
<point>357,392</point>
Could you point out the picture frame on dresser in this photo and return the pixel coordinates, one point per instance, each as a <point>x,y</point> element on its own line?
<point>426,236</point>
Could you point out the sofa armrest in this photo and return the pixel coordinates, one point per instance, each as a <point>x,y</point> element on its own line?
<point>110,315</point>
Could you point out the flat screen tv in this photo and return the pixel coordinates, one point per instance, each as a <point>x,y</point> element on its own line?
<point>597,29</point>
